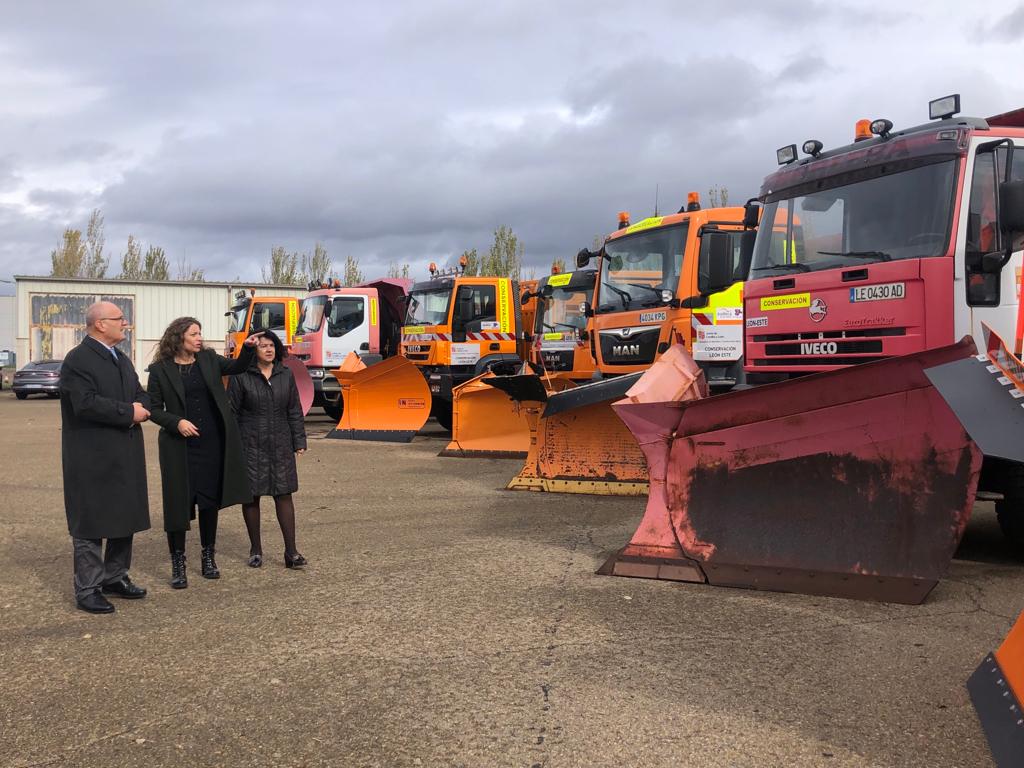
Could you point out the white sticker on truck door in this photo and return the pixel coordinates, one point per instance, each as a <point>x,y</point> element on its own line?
<point>465,354</point>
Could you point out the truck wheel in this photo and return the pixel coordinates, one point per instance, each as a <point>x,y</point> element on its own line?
<point>1010,511</point>
<point>444,417</point>
<point>334,410</point>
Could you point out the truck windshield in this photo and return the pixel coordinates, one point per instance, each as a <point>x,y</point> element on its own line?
<point>635,269</point>
<point>903,215</point>
<point>238,315</point>
<point>561,312</point>
<point>428,307</point>
<point>312,314</point>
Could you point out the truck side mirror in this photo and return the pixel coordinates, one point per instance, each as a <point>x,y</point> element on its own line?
<point>1011,207</point>
<point>714,266</point>
<point>527,296</point>
<point>747,239</point>
<point>751,210</point>
<point>583,257</point>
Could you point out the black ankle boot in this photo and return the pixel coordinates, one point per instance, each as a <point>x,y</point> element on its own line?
<point>179,580</point>
<point>209,564</point>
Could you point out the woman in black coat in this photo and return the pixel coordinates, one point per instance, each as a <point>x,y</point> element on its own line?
<point>266,402</point>
<point>201,462</point>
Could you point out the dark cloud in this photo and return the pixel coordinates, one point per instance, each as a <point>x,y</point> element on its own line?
<point>408,132</point>
<point>1008,28</point>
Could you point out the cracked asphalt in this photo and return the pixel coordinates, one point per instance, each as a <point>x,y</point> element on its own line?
<point>444,621</point>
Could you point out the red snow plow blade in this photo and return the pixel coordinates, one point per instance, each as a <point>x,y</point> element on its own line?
<point>997,692</point>
<point>854,483</point>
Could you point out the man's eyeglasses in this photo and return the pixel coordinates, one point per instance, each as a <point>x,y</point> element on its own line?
<point>115,319</point>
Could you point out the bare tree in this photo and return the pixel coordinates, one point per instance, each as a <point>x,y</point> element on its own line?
<point>718,196</point>
<point>505,256</point>
<point>68,258</point>
<point>156,266</point>
<point>317,267</point>
<point>95,264</point>
<point>283,269</point>
<point>131,261</point>
<point>185,271</point>
<point>472,262</point>
<point>353,274</point>
<point>397,271</point>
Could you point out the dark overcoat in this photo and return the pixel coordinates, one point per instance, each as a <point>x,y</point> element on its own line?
<point>167,392</point>
<point>270,418</point>
<point>102,449</point>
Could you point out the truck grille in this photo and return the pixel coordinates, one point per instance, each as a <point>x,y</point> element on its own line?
<point>872,333</point>
<point>558,360</point>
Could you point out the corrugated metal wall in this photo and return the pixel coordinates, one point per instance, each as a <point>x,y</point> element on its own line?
<point>50,312</point>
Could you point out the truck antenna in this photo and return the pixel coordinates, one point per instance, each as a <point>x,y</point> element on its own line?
<point>656,199</point>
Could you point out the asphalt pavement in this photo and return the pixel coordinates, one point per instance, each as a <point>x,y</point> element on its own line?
<point>444,621</point>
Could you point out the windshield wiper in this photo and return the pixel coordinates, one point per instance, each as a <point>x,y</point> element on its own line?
<point>878,255</point>
<point>794,267</point>
<point>564,325</point>
<point>624,296</point>
<point>651,288</point>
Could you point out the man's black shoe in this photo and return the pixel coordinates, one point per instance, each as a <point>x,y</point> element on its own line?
<point>94,602</point>
<point>124,587</point>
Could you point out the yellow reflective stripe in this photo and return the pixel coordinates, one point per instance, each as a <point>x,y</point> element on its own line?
<point>557,281</point>
<point>410,329</point>
<point>504,303</point>
<point>373,311</point>
<point>654,221</point>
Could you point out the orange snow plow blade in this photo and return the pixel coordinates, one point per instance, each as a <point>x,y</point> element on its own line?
<point>997,692</point>
<point>577,443</point>
<point>853,483</point>
<point>389,401</point>
<point>487,423</point>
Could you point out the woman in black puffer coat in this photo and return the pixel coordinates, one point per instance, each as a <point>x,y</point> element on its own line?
<point>266,403</point>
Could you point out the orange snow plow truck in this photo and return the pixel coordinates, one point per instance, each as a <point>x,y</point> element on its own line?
<point>456,327</point>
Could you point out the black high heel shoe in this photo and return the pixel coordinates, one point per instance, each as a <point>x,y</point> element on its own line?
<point>294,560</point>
<point>255,559</point>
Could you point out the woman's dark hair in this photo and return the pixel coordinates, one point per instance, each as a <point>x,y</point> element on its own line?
<point>280,353</point>
<point>170,343</point>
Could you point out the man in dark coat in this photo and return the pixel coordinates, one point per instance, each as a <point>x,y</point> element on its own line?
<point>102,405</point>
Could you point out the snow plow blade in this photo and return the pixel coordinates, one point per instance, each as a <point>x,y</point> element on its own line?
<point>389,401</point>
<point>303,382</point>
<point>997,692</point>
<point>488,423</point>
<point>986,392</point>
<point>854,483</point>
<point>577,443</point>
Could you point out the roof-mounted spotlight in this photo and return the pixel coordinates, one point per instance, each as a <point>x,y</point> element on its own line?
<point>813,147</point>
<point>881,127</point>
<point>947,106</point>
<point>786,155</point>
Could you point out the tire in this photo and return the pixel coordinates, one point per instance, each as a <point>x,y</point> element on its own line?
<point>1010,511</point>
<point>444,416</point>
<point>334,410</point>
<point>21,395</point>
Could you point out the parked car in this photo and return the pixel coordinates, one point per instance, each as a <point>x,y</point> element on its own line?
<point>41,377</point>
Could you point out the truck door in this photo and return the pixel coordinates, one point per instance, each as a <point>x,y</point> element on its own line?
<point>269,316</point>
<point>990,298</point>
<point>346,329</point>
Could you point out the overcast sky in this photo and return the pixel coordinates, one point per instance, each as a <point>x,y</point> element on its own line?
<point>409,132</point>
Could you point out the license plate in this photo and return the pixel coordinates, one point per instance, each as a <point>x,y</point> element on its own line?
<point>881,292</point>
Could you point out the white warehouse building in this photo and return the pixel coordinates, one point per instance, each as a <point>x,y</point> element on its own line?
<point>50,312</point>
